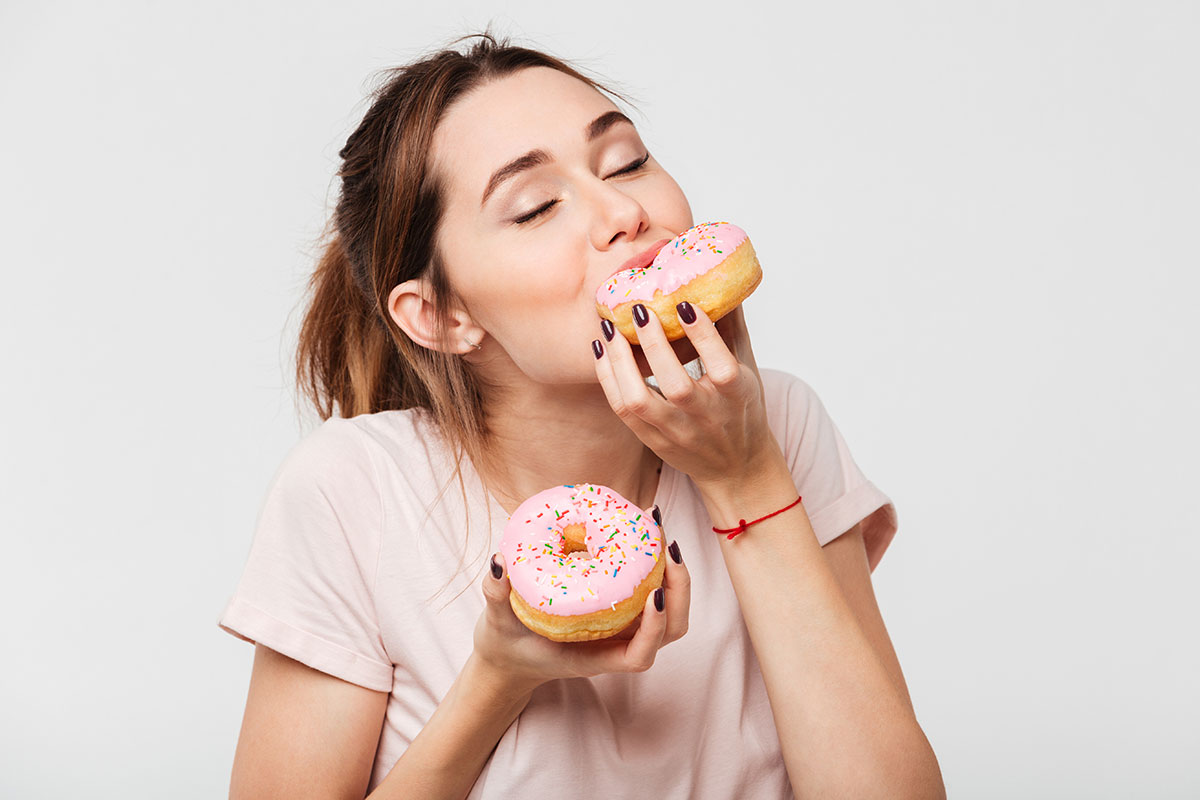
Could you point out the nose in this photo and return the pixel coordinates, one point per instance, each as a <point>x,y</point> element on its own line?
<point>618,214</point>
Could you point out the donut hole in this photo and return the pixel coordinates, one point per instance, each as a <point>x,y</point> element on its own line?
<point>573,537</point>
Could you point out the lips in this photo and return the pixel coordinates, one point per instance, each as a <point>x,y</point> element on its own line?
<point>644,258</point>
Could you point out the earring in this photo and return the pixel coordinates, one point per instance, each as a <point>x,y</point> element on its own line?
<point>473,344</point>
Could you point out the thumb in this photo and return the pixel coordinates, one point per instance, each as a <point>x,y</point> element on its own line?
<point>496,586</point>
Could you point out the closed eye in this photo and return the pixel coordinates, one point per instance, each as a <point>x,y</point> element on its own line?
<point>634,167</point>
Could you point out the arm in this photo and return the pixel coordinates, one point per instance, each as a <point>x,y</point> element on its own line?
<point>847,557</point>
<point>296,715</point>
<point>845,723</point>
<point>449,753</point>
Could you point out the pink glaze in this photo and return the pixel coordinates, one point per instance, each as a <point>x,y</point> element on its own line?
<point>623,545</point>
<point>690,254</point>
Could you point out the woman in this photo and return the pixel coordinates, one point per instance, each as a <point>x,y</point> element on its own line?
<point>485,196</point>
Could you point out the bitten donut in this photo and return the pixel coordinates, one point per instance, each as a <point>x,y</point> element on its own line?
<point>711,265</point>
<point>581,560</point>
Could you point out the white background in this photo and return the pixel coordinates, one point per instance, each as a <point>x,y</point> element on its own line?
<point>978,224</point>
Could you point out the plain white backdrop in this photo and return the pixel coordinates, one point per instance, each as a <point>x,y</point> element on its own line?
<point>978,227</point>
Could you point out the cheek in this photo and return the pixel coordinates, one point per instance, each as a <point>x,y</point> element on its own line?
<point>670,205</point>
<point>539,306</point>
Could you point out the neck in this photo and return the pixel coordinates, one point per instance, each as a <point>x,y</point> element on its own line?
<point>544,436</point>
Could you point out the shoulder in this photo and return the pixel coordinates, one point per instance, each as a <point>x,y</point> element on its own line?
<point>800,421</point>
<point>365,438</point>
<point>789,401</point>
<point>332,447</point>
<point>396,425</point>
<point>342,456</point>
<point>328,468</point>
<point>405,447</point>
<point>782,387</point>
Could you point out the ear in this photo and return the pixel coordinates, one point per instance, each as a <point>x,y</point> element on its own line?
<point>411,307</point>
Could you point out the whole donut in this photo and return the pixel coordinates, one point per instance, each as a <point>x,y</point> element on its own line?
<point>581,560</point>
<point>711,265</point>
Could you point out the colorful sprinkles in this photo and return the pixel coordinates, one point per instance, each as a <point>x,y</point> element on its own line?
<point>618,545</point>
<point>671,267</point>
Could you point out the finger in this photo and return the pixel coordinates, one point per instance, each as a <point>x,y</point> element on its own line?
<point>643,647</point>
<point>612,393</point>
<point>673,381</point>
<point>496,592</point>
<point>720,365</point>
<point>678,584</point>
<point>733,330</point>
<point>631,399</point>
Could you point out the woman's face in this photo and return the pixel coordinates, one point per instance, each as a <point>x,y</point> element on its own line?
<point>528,240</point>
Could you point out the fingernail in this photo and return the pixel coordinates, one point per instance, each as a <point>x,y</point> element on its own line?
<point>686,312</point>
<point>654,512</point>
<point>607,328</point>
<point>597,348</point>
<point>497,570</point>
<point>658,598</point>
<point>676,556</point>
<point>639,315</point>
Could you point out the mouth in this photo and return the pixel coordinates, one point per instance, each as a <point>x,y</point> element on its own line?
<point>642,259</point>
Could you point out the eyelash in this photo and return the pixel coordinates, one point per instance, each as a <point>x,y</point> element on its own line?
<point>634,167</point>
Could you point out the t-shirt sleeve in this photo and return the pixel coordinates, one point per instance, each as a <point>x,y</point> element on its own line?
<point>307,589</point>
<point>836,493</point>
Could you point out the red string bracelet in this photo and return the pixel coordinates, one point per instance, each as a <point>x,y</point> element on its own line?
<point>742,524</point>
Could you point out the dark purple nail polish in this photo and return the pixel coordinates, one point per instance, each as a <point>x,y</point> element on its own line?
<point>658,598</point>
<point>686,312</point>
<point>497,570</point>
<point>639,315</point>
<point>654,512</point>
<point>676,556</point>
<point>607,328</point>
<point>597,348</point>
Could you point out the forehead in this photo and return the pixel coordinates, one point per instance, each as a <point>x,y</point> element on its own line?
<point>536,107</point>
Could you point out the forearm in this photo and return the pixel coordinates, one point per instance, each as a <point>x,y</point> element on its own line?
<point>446,757</point>
<point>844,726</point>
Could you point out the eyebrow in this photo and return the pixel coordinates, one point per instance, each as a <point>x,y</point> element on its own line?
<point>536,158</point>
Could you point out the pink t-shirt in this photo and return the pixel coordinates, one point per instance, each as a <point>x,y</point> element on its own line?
<point>353,541</point>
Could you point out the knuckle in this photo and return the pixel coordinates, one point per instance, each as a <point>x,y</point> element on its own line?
<point>638,405</point>
<point>642,664</point>
<point>493,589</point>
<point>681,393</point>
<point>723,375</point>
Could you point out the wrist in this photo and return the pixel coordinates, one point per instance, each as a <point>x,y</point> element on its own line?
<point>499,686</point>
<point>768,468</point>
<point>749,496</point>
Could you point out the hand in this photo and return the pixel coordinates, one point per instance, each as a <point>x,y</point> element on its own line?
<point>525,660</point>
<point>714,428</point>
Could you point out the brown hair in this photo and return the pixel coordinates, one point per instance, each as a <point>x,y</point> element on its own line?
<point>352,358</point>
